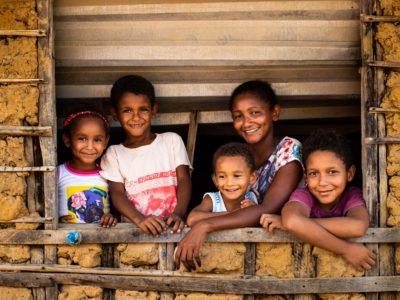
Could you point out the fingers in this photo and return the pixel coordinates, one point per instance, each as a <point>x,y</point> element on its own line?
<point>178,226</point>
<point>152,225</point>
<point>177,257</point>
<point>107,220</point>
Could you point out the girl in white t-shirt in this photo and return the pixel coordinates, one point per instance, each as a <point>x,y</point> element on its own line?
<point>82,193</point>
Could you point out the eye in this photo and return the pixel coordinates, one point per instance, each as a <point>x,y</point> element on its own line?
<point>255,113</point>
<point>333,172</point>
<point>237,175</point>
<point>221,176</point>
<point>82,138</point>
<point>312,174</point>
<point>144,109</point>
<point>126,110</point>
<point>237,117</point>
<point>98,140</point>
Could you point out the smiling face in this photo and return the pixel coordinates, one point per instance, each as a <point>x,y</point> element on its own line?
<point>232,176</point>
<point>327,177</point>
<point>134,112</point>
<point>87,140</point>
<point>253,118</point>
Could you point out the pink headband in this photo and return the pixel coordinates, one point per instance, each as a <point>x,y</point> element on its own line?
<point>71,117</point>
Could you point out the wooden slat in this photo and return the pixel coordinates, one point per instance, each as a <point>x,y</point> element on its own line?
<point>29,220</point>
<point>379,110</point>
<point>21,80</point>
<point>192,135</point>
<point>131,234</point>
<point>26,130</point>
<point>382,140</point>
<point>27,169</point>
<point>220,284</point>
<point>15,32</point>
<point>383,64</point>
<point>373,18</point>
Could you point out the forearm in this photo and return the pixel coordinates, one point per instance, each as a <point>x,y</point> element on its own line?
<point>183,193</point>
<point>343,227</point>
<point>125,207</point>
<point>196,216</point>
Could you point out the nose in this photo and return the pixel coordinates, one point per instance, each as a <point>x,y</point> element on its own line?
<point>246,121</point>
<point>90,144</point>
<point>323,179</point>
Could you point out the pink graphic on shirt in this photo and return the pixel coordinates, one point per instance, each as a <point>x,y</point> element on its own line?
<point>78,200</point>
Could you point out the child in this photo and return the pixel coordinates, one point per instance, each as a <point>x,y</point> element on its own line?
<point>82,193</point>
<point>254,111</point>
<point>148,173</point>
<point>328,210</point>
<point>234,170</point>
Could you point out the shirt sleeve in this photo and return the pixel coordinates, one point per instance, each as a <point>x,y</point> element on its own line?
<point>355,199</point>
<point>303,196</point>
<point>290,151</point>
<point>179,152</point>
<point>110,166</point>
<point>62,196</point>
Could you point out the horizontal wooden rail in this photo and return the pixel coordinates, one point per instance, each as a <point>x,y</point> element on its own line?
<point>382,140</point>
<point>22,80</point>
<point>379,110</point>
<point>383,64</point>
<point>27,169</point>
<point>26,130</point>
<point>29,220</point>
<point>372,18</point>
<point>178,283</point>
<point>127,233</point>
<point>16,32</point>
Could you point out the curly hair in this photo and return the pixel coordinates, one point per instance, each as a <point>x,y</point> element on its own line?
<point>73,118</point>
<point>235,149</point>
<point>258,88</point>
<point>328,140</point>
<point>135,84</point>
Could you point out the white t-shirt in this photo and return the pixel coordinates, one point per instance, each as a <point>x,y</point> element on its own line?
<point>81,194</point>
<point>148,172</point>
<point>219,204</point>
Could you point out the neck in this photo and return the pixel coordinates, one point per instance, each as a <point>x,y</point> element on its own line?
<point>143,140</point>
<point>263,149</point>
<point>82,166</point>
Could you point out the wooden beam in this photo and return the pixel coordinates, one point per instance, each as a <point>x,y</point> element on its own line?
<point>29,220</point>
<point>22,80</point>
<point>16,32</point>
<point>27,169</point>
<point>374,18</point>
<point>26,130</point>
<point>218,283</point>
<point>131,234</point>
<point>382,140</point>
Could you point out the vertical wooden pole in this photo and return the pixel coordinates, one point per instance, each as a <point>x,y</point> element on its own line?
<point>47,117</point>
<point>192,135</point>
<point>304,266</point>
<point>250,264</point>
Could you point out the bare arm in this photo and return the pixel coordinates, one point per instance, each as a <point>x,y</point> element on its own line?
<point>150,225</point>
<point>284,182</point>
<point>295,218</point>
<point>183,193</point>
<point>354,224</point>
<point>203,211</point>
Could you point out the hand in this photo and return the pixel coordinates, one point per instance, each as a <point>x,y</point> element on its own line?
<point>152,225</point>
<point>359,256</point>
<point>246,203</point>
<point>107,220</point>
<point>176,222</point>
<point>66,219</point>
<point>271,222</point>
<point>188,250</point>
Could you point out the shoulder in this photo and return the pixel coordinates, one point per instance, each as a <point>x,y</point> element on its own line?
<point>302,195</point>
<point>169,137</point>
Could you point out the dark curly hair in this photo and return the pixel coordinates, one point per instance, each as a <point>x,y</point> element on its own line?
<point>235,149</point>
<point>328,140</point>
<point>73,119</point>
<point>135,84</point>
<point>258,88</point>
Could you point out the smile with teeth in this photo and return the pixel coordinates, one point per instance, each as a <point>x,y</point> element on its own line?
<point>250,131</point>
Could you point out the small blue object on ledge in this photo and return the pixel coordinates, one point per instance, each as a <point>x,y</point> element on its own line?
<point>73,238</point>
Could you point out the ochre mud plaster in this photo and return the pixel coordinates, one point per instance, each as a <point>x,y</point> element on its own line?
<point>333,265</point>
<point>275,260</point>
<point>222,258</point>
<point>342,297</point>
<point>10,293</point>
<point>388,37</point>
<point>19,104</point>
<point>135,255</point>
<point>85,255</point>
<point>201,296</point>
<point>393,201</point>
<point>136,295</point>
<point>390,7</point>
<point>276,297</point>
<point>18,57</point>
<point>28,226</point>
<point>18,14</point>
<point>15,253</point>
<point>74,292</point>
<point>397,257</point>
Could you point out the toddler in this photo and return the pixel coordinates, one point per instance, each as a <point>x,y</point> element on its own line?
<point>82,193</point>
<point>234,171</point>
<point>148,173</point>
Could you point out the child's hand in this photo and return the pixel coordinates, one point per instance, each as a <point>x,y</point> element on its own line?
<point>359,256</point>
<point>176,222</point>
<point>108,220</point>
<point>66,219</point>
<point>246,203</point>
<point>271,222</point>
<point>152,225</point>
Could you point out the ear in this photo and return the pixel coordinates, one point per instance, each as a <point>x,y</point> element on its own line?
<point>213,179</point>
<point>351,172</point>
<point>154,110</point>
<point>114,114</point>
<point>276,111</point>
<point>66,140</point>
<point>253,177</point>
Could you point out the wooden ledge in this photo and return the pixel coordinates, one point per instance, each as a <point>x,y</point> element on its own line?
<point>128,233</point>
